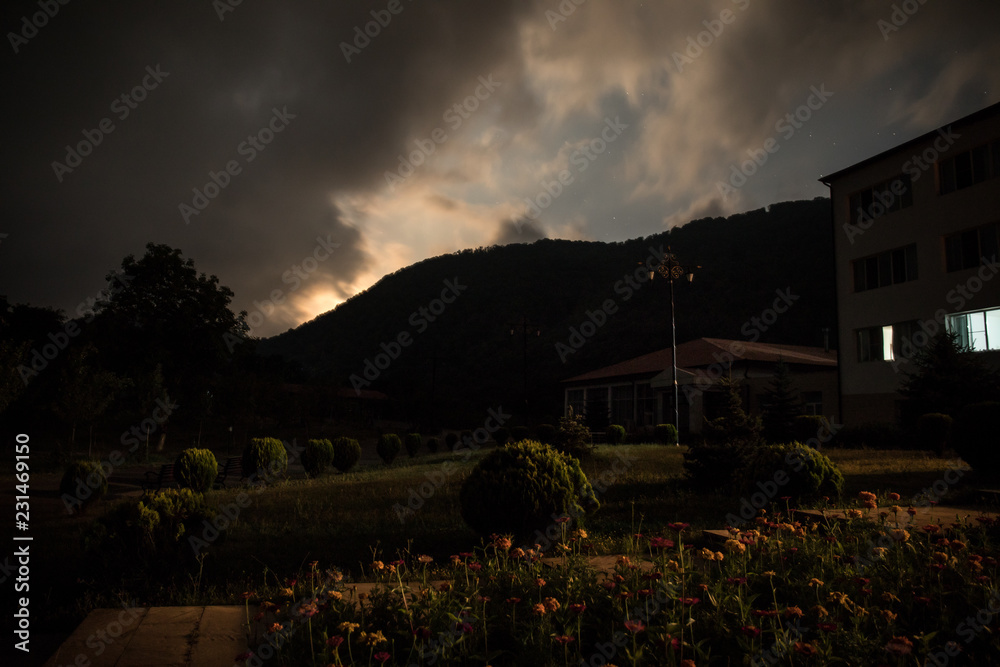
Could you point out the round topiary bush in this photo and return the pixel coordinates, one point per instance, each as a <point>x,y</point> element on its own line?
<point>665,434</point>
<point>616,434</point>
<point>388,447</point>
<point>263,458</point>
<point>501,436</point>
<point>317,457</point>
<point>413,442</point>
<point>934,431</point>
<point>196,469</point>
<point>974,437</point>
<point>433,444</point>
<point>346,453</point>
<point>789,469</point>
<point>519,488</point>
<point>83,483</point>
<point>547,434</point>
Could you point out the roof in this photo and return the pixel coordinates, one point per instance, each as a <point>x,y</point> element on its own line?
<point>703,352</point>
<point>982,114</point>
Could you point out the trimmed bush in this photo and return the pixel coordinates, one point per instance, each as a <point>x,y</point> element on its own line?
<point>196,469</point>
<point>975,437</point>
<point>388,447</point>
<point>451,439</point>
<point>519,433</point>
<point>934,432</point>
<point>263,458</point>
<point>433,444</point>
<point>501,436</point>
<point>616,434</point>
<point>317,457</point>
<point>413,442</point>
<point>665,434</point>
<point>573,437</point>
<point>810,474</point>
<point>547,434</point>
<point>169,527</point>
<point>346,453</point>
<point>517,489</point>
<point>83,483</point>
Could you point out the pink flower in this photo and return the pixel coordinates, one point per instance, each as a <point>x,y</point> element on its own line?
<point>751,631</point>
<point>661,543</point>
<point>634,626</point>
<point>382,656</point>
<point>334,642</point>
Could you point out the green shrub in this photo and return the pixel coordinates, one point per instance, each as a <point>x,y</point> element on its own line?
<point>616,434</point>
<point>665,434</point>
<point>346,453</point>
<point>196,469</point>
<point>712,466</point>
<point>547,434</point>
<point>810,474</point>
<point>83,483</point>
<point>413,442</point>
<point>317,457</point>
<point>501,436</point>
<point>388,447</point>
<point>573,437</point>
<point>974,437</point>
<point>806,427</point>
<point>451,439</point>
<point>263,458</point>
<point>870,436</point>
<point>162,528</point>
<point>517,489</point>
<point>934,432</point>
<point>433,444</point>
<point>519,433</point>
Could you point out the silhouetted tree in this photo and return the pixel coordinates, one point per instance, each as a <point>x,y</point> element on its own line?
<point>781,403</point>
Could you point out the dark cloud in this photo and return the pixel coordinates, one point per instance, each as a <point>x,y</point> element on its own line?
<point>517,231</point>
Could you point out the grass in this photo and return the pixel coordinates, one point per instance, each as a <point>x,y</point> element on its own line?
<point>345,520</point>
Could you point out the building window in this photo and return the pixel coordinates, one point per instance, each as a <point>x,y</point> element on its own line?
<point>646,404</point>
<point>966,250</point>
<point>622,405</point>
<point>812,402</point>
<point>969,168</point>
<point>575,400</point>
<point>875,344</point>
<point>978,331</point>
<point>888,268</point>
<point>880,199</point>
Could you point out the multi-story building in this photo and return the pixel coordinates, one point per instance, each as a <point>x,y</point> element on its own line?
<point>916,246</point>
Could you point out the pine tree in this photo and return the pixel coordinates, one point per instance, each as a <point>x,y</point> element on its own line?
<point>781,403</point>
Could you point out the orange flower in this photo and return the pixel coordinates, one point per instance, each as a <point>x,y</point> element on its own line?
<point>551,604</point>
<point>899,646</point>
<point>805,648</point>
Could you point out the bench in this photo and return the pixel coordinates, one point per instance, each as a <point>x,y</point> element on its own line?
<point>233,465</point>
<point>157,480</point>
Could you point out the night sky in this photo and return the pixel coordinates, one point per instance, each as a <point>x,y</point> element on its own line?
<point>325,158</point>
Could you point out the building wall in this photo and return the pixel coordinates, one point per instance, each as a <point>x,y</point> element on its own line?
<point>869,388</point>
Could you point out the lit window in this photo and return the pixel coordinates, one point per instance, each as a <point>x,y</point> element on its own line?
<point>978,331</point>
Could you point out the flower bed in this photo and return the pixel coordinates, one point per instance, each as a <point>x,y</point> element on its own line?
<point>857,591</point>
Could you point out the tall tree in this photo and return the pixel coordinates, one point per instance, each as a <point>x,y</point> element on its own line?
<point>947,378</point>
<point>86,390</point>
<point>781,403</point>
<point>164,313</point>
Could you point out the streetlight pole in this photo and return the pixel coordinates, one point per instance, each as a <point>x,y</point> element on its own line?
<point>673,270</point>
